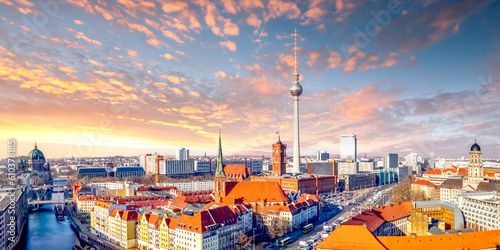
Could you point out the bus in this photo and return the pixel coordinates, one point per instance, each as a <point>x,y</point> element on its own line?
<point>307,228</point>
<point>284,241</point>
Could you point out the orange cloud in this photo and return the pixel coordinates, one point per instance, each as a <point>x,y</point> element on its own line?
<point>95,63</point>
<point>78,22</point>
<point>229,45</point>
<point>169,56</point>
<point>220,74</point>
<point>173,79</point>
<point>133,53</point>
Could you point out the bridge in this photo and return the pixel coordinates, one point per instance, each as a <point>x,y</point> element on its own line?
<point>37,202</point>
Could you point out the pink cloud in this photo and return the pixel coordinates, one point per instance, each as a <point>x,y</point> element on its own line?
<point>278,8</point>
<point>229,45</point>
<point>78,22</point>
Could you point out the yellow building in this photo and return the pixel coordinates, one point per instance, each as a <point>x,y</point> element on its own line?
<point>122,227</point>
<point>153,232</point>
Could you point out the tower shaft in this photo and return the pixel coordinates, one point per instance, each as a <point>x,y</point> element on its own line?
<point>296,138</point>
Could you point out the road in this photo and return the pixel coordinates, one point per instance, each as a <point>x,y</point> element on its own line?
<point>330,217</point>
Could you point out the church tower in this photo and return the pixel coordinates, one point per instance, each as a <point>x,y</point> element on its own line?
<point>476,163</point>
<point>279,156</point>
<point>220,177</point>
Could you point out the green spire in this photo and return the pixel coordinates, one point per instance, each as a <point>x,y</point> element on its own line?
<point>219,172</point>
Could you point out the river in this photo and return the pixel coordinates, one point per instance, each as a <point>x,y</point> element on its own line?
<point>44,232</point>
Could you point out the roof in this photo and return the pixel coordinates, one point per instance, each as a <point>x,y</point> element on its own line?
<point>128,169</point>
<point>423,183</point>
<point>124,215</point>
<point>434,171</point>
<point>369,218</point>
<point>236,169</point>
<point>395,211</point>
<point>92,170</point>
<point>350,237</point>
<point>258,191</point>
<point>488,186</point>
<point>207,220</point>
<point>452,183</point>
<point>475,240</point>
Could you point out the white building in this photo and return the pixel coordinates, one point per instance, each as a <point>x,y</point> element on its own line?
<point>190,186</point>
<point>182,154</point>
<point>346,168</point>
<point>481,209</point>
<point>202,166</point>
<point>348,148</point>
<point>174,167</point>
<point>366,166</point>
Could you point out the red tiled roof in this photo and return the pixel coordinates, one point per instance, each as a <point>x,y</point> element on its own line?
<point>124,215</point>
<point>369,218</point>
<point>395,211</point>
<point>207,220</point>
<point>258,191</point>
<point>423,183</point>
<point>235,169</point>
<point>433,171</point>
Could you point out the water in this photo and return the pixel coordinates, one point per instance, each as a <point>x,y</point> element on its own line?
<point>45,232</point>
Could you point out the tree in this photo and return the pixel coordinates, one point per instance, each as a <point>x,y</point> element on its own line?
<point>277,228</point>
<point>242,241</point>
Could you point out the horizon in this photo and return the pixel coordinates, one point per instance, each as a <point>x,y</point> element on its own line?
<point>129,78</point>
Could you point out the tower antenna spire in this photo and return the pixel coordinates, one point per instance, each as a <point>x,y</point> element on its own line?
<point>295,50</point>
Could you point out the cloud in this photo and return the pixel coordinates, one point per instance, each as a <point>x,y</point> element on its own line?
<point>78,22</point>
<point>220,74</point>
<point>169,56</point>
<point>278,8</point>
<point>95,63</point>
<point>133,53</point>
<point>229,45</point>
<point>173,79</point>
<point>82,36</point>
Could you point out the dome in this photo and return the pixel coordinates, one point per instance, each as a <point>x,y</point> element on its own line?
<point>36,154</point>
<point>475,147</point>
<point>296,90</point>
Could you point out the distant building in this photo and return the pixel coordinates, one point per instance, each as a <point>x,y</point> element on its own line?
<point>348,148</point>
<point>202,166</point>
<point>92,173</point>
<point>345,168</point>
<point>432,161</point>
<point>366,166</point>
<point>350,182</point>
<point>391,161</point>
<point>192,186</point>
<point>121,172</point>
<point>305,185</point>
<point>321,168</point>
<point>182,154</point>
<point>322,156</point>
<point>176,167</point>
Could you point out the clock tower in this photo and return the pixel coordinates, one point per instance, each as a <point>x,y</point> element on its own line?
<point>279,157</point>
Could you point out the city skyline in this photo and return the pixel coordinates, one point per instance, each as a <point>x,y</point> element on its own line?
<point>129,78</point>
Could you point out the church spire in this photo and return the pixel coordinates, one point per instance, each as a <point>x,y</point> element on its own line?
<point>219,171</point>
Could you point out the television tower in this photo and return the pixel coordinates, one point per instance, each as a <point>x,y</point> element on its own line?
<point>296,91</point>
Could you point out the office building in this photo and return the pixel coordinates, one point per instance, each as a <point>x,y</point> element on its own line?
<point>391,161</point>
<point>182,154</point>
<point>432,162</point>
<point>481,209</point>
<point>348,148</point>
<point>347,167</point>
<point>322,156</point>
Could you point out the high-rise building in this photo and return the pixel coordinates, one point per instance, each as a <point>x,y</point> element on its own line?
<point>391,161</point>
<point>431,161</point>
<point>279,157</point>
<point>296,91</point>
<point>182,154</point>
<point>348,148</point>
<point>322,156</point>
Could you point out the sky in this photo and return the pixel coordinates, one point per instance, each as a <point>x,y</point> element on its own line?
<point>128,77</point>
